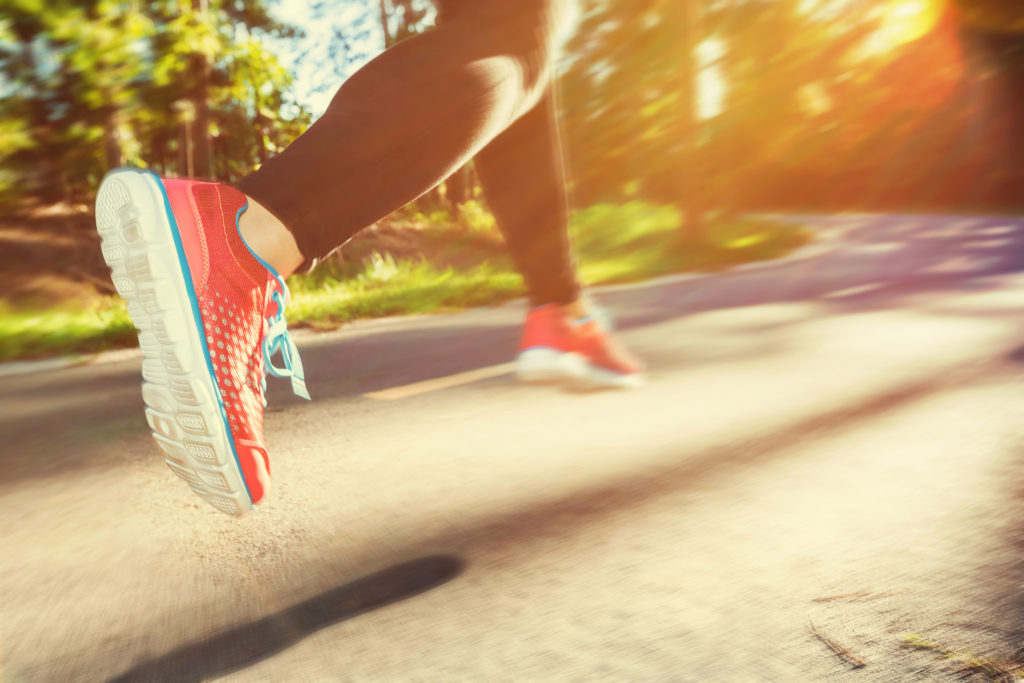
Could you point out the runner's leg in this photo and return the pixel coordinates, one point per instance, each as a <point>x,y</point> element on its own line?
<point>523,175</point>
<point>408,119</point>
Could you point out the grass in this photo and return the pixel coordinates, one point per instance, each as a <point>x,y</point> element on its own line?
<point>389,287</point>
<point>613,243</point>
<point>1002,669</point>
<point>60,331</point>
<point>624,243</point>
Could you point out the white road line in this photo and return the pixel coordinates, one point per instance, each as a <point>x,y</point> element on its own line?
<point>850,291</point>
<point>417,388</point>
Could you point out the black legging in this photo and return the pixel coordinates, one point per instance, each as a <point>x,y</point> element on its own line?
<point>478,85</point>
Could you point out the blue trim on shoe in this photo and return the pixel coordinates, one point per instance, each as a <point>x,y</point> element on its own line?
<point>283,341</point>
<point>238,227</point>
<point>194,300</point>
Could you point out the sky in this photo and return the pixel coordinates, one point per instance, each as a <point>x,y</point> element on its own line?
<point>317,71</point>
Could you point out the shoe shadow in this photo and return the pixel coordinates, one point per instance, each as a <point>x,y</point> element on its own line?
<point>250,643</point>
<point>1017,355</point>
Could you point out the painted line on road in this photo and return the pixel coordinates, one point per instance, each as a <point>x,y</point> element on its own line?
<point>447,382</point>
<point>852,291</point>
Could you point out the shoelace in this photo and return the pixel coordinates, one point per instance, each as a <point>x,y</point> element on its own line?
<point>279,340</point>
<point>602,315</point>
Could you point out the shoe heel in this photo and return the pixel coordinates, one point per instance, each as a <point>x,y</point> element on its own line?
<point>549,366</point>
<point>122,242</point>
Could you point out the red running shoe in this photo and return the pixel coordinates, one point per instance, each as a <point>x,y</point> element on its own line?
<point>582,352</point>
<point>210,315</point>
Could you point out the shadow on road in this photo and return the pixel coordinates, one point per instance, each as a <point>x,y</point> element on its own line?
<point>250,643</point>
<point>1017,355</point>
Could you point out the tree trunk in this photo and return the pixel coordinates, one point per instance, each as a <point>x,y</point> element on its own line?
<point>260,125</point>
<point>186,163</point>
<point>199,68</point>
<point>690,174</point>
<point>201,156</point>
<point>111,140</point>
<point>388,40</point>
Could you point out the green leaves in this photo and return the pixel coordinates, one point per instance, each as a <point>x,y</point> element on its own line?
<point>92,85</point>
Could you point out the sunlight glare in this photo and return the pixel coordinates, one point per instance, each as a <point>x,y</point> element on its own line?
<point>905,21</point>
<point>711,88</point>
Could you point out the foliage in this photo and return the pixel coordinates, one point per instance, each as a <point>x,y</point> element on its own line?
<point>1003,16</point>
<point>824,105</point>
<point>476,217</point>
<point>92,85</point>
<point>472,215</point>
<point>404,18</point>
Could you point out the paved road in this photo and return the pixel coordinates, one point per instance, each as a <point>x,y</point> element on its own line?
<point>831,443</point>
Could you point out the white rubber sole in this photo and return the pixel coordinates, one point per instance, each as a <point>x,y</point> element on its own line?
<point>550,366</point>
<point>183,408</point>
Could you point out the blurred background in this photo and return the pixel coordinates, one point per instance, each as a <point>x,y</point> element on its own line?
<point>822,481</point>
<point>682,118</point>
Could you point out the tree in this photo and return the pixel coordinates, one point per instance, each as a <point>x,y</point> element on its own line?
<point>819,107</point>
<point>91,85</point>
<point>998,16</point>
<point>992,35</point>
<point>689,21</point>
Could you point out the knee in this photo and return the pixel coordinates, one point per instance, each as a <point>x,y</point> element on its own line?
<point>534,62</point>
<point>503,84</point>
<point>528,32</point>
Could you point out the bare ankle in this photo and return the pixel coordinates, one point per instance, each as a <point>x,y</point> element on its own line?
<point>269,239</point>
<point>576,309</point>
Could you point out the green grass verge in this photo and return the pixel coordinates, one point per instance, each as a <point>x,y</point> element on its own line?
<point>386,287</point>
<point>614,243</point>
<point>629,242</point>
<point>103,325</point>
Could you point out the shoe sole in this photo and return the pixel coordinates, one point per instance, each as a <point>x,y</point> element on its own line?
<point>142,247</point>
<point>550,366</point>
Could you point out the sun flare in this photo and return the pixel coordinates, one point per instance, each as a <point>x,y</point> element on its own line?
<point>904,21</point>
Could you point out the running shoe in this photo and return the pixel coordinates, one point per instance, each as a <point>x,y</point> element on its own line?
<point>210,316</point>
<point>581,352</point>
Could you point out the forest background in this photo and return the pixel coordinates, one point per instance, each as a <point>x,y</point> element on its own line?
<point>682,118</point>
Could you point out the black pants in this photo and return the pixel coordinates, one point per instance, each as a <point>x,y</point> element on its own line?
<point>477,86</point>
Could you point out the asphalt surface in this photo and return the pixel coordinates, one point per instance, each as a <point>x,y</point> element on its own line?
<point>825,461</point>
